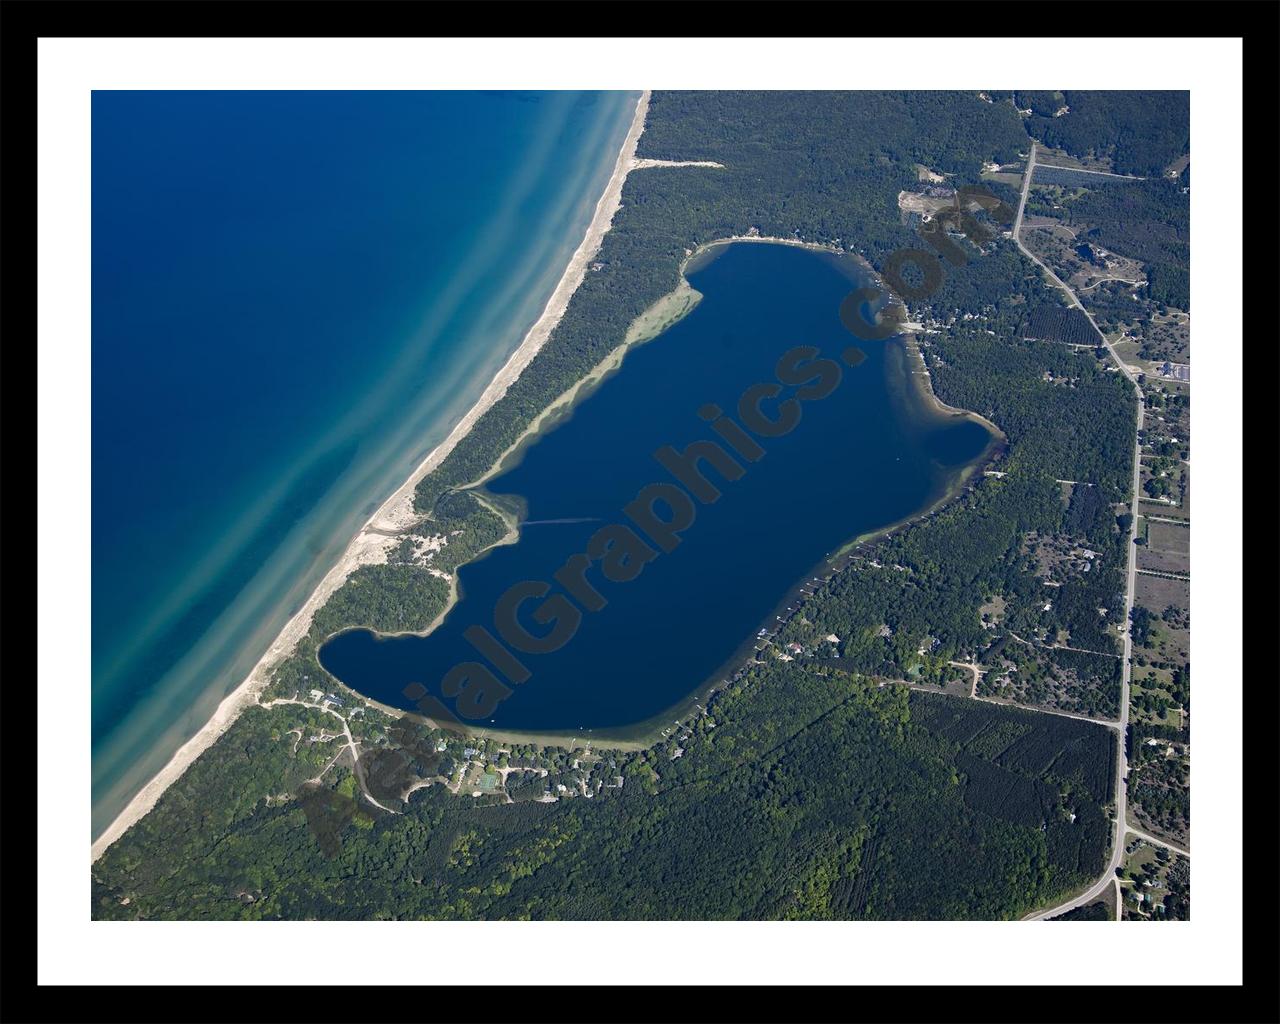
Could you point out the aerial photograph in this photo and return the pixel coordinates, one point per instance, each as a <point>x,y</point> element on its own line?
<point>641,505</point>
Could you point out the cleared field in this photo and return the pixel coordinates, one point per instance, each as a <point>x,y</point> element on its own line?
<point>1157,593</point>
<point>1164,336</point>
<point>1127,350</point>
<point>914,202</point>
<point>1181,512</point>
<point>958,685</point>
<point>1060,157</point>
<point>1004,177</point>
<point>1070,177</point>
<point>1055,227</point>
<point>1163,561</point>
<point>1170,645</point>
<point>1175,644</point>
<point>1169,538</point>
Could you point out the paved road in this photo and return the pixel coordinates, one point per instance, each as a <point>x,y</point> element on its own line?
<point>1119,893</point>
<point>1071,296</point>
<point>1027,174</point>
<point>1122,762</point>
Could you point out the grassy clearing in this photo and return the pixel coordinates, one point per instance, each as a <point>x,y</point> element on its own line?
<point>1157,593</point>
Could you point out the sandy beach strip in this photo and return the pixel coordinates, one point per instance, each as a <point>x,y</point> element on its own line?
<point>368,547</point>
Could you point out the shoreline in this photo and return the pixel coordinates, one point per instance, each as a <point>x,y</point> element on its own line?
<point>644,733</point>
<point>925,387</point>
<point>923,390</point>
<point>672,307</point>
<point>668,310</point>
<point>659,317</point>
<point>367,547</point>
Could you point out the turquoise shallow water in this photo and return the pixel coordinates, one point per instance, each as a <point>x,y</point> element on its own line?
<point>295,297</point>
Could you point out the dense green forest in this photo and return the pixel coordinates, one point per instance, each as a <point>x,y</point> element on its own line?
<point>910,603</point>
<point>809,165</point>
<point>1146,220</point>
<point>403,595</point>
<point>1160,785</point>
<point>1065,178</point>
<point>1066,414</point>
<point>1140,132</point>
<point>803,793</point>
<point>807,789</point>
<point>1041,102</point>
<point>1098,911</point>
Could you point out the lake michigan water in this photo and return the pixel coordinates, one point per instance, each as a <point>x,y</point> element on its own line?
<point>869,454</point>
<point>295,297</point>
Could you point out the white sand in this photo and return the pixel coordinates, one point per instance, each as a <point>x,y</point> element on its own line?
<point>369,547</point>
<point>639,164</point>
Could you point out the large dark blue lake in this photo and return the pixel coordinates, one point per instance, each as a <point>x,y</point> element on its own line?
<point>870,453</point>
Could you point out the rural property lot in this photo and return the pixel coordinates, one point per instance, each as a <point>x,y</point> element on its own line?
<point>1167,336</point>
<point>1157,593</point>
<point>1180,510</point>
<point>1168,548</point>
<point>1156,884</point>
<point>1171,642</point>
